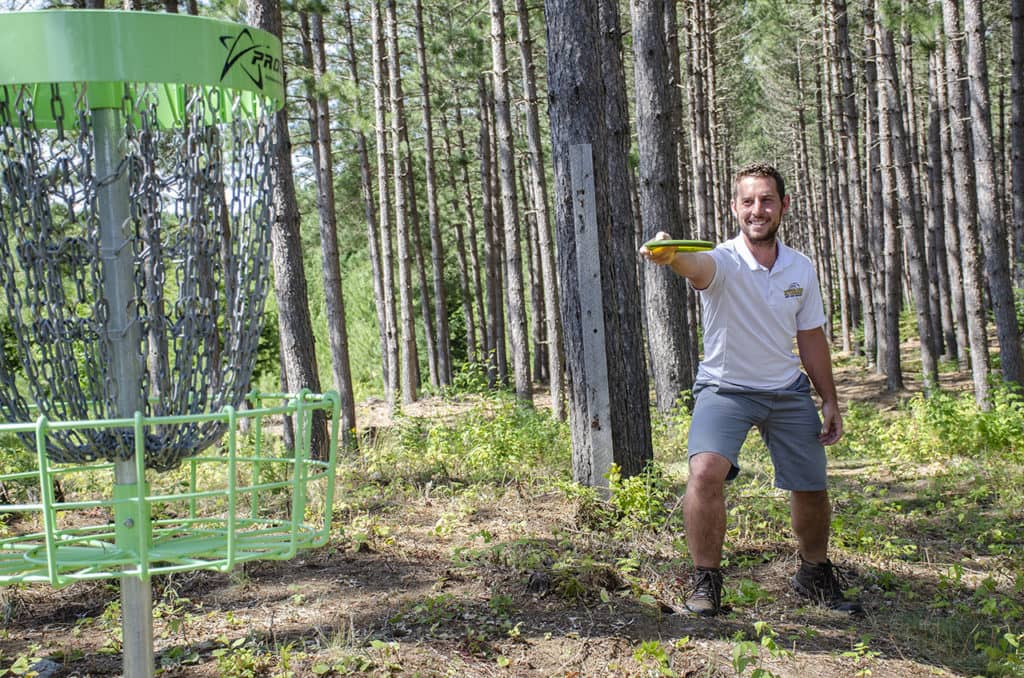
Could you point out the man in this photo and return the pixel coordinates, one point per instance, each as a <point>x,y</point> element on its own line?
<point>757,295</point>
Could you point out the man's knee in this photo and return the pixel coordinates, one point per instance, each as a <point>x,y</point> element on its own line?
<point>708,471</point>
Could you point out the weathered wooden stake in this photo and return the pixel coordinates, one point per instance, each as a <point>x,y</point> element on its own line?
<point>598,450</point>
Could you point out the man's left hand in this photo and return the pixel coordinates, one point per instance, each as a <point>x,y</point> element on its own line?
<point>831,424</point>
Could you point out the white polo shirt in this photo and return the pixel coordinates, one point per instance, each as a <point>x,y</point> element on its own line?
<point>751,316</point>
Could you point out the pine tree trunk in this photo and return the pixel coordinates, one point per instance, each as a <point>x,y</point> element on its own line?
<point>1017,134</point>
<point>715,149</point>
<point>298,350</point>
<point>967,203</point>
<point>443,344</point>
<point>850,131</point>
<point>576,77</point>
<point>407,326</point>
<point>392,369</point>
<point>624,347</point>
<point>952,230</point>
<point>822,215</point>
<point>510,209</point>
<point>538,180</point>
<point>814,215</point>
<point>912,129</point>
<point>835,171</point>
<point>416,251</point>
<point>334,299</point>
<point>681,132</point>
<point>938,265</point>
<point>874,346</point>
<point>909,223</point>
<point>535,282</point>
<point>492,274</point>
<point>893,256</point>
<point>667,333</point>
<point>369,208</point>
<point>990,222</point>
<point>695,81</point>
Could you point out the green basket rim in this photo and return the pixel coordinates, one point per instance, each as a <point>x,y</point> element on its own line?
<point>117,46</point>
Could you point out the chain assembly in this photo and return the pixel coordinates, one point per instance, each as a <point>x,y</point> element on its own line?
<point>197,231</point>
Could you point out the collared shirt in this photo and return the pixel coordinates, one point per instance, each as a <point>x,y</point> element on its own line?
<point>751,316</point>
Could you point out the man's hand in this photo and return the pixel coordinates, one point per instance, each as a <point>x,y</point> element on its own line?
<point>662,256</point>
<point>831,423</point>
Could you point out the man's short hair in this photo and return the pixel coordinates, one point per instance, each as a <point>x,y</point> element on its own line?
<point>760,169</point>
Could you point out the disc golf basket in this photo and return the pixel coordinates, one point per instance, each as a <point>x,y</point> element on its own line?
<point>136,164</point>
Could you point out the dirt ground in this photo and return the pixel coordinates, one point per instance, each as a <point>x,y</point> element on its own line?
<point>427,592</point>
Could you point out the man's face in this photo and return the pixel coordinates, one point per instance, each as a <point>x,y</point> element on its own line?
<point>759,208</point>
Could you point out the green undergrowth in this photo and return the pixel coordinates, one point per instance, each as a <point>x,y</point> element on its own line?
<point>928,518</point>
<point>928,506</point>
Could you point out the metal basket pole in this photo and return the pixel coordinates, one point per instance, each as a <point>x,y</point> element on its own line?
<point>124,334</point>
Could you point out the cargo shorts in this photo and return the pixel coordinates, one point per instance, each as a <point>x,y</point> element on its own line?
<point>787,419</point>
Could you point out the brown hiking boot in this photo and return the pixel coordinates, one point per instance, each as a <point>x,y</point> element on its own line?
<point>824,584</point>
<point>705,597</point>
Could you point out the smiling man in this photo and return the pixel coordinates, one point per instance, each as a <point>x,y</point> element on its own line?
<point>757,296</point>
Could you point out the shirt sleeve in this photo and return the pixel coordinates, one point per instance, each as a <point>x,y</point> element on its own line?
<point>812,311</point>
<point>716,282</point>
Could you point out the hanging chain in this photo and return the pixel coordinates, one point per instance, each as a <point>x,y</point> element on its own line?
<point>198,228</point>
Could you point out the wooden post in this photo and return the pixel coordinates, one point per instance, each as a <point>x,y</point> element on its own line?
<point>597,454</point>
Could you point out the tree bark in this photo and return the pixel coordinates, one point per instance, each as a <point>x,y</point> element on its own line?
<point>369,208</point>
<point>419,263</point>
<point>407,328</point>
<point>893,256</point>
<point>392,369</point>
<point>334,298</point>
<point>576,92</point>
<point>1017,133</point>
<point>938,265</point>
<point>510,209</point>
<point>538,180</point>
<point>952,230</point>
<point>443,344</point>
<point>912,227</point>
<point>624,348</point>
<point>850,132</point>
<point>298,349</point>
<point>912,126</point>
<point>990,222</point>
<point>667,333</point>
<point>492,274</point>
<point>873,345</point>
<point>967,203</point>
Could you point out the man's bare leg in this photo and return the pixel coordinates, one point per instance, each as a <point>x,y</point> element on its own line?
<point>811,514</point>
<point>704,508</point>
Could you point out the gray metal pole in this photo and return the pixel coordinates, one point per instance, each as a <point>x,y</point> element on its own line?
<point>124,334</point>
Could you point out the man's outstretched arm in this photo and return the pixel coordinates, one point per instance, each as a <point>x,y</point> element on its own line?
<point>697,267</point>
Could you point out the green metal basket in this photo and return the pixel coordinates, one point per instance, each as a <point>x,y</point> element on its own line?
<point>230,505</point>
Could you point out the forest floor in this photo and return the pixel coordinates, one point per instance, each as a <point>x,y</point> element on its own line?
<point>502,581</point>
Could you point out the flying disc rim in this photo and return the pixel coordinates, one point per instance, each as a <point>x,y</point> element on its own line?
<point>681,245</point>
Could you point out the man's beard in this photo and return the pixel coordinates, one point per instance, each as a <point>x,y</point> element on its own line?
<point>768,238</point>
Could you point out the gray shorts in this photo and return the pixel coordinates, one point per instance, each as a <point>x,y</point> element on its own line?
<point>787,419</point>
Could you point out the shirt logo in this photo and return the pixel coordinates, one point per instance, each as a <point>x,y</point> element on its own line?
<point>794,291</point>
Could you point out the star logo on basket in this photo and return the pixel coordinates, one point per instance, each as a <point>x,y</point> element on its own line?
<point>256,61</point>
<point>794,291</point>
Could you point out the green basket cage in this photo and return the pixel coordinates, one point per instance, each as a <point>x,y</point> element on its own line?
<point>224,507</point>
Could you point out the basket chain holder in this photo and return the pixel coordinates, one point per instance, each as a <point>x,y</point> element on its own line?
<point>134,262</point>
